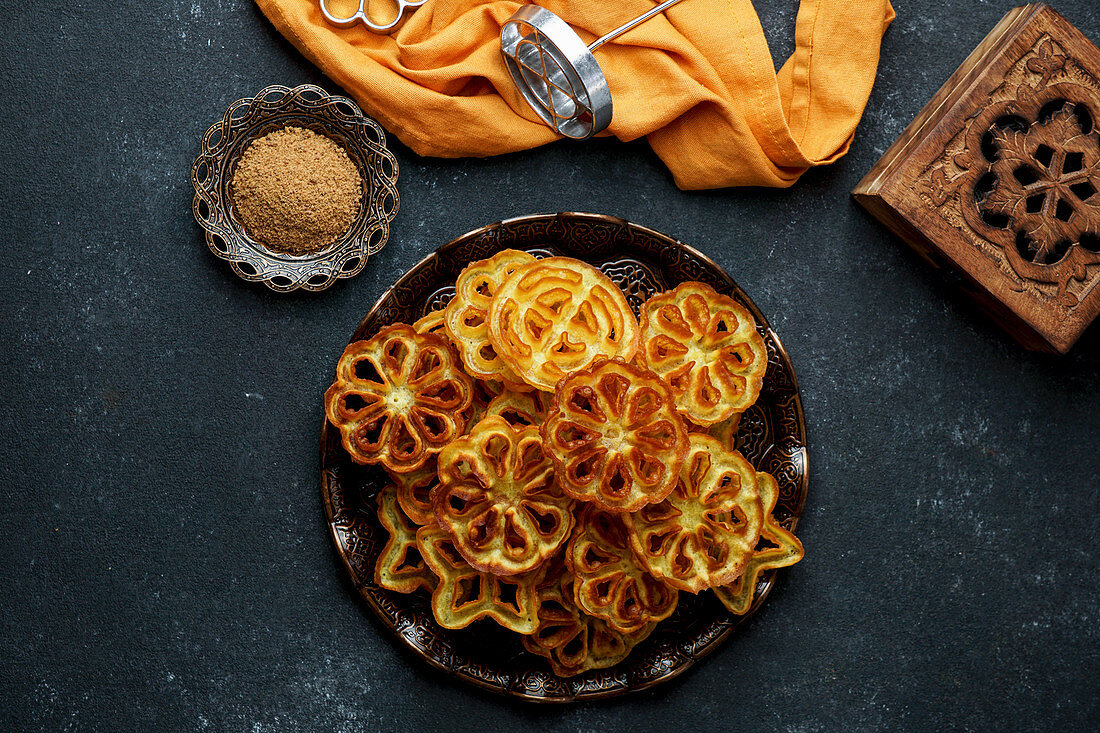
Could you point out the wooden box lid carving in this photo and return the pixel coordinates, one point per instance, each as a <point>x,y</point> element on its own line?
<point>999,177</point>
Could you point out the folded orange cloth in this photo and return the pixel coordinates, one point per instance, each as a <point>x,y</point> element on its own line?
<point>699,81</point>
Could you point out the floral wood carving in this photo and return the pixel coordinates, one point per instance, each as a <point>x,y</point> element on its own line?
<point>1029,176</point>
<point>1047,61</point>
<point>1044,184</point>
<point>1031,187</point>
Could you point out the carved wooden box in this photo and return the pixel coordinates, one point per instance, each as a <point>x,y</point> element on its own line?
<point>999,177</point>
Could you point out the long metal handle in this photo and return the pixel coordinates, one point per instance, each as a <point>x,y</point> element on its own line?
<point>630,24</point>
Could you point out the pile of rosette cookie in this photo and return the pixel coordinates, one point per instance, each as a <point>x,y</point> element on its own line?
<point>559,465</point>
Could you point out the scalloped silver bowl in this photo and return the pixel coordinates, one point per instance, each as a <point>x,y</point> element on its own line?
<point>273,108</point>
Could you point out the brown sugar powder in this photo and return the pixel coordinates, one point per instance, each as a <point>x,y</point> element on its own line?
<point>296,191</point>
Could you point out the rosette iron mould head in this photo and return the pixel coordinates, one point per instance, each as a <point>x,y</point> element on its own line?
<point>557,73</point>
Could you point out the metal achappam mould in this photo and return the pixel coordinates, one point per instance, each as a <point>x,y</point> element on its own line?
<point>361,15</point>
<point>557,73</point>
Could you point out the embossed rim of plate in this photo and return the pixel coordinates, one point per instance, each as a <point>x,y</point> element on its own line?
<point>340,119</point>
<point>767,579</point>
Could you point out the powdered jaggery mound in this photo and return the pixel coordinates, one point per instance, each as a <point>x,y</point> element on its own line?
<point>296,191</point>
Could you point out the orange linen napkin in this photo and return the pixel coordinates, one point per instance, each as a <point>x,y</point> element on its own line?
<point>699,81</point>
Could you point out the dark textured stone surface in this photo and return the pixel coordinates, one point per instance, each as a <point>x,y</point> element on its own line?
<point>164,560</point>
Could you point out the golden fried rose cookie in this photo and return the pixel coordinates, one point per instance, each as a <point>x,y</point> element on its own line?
<point>520,409</point>
<point>466,316</point>
<point>706,347</point>
<point>432,323</point>
<point>785,549</point>
<point>414,491</point>
<point>704,533</point>
<point>615,436</point>
<point>726,431</point>
<point>558,315</point>
<point>484,393</point>
<point>400,566</point>
<point>398,398</point>
<point>608,581</point>
<point>572,641</point>
<point>498,499</point>
<point>464,594</point>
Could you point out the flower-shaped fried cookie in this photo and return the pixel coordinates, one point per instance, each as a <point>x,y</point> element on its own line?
<point>615,436</point>
<point>784,549</point>
<point>702,535</point>
<point>400,566</point>
<point>706,346</point>
<point>521,409</point>
<point>725,432</point>
<point>498,499</point>
<point>558,315</point>
<point>484,393</point>
<point>466,316</point>
<point>414,491</point>
<point>572,641</point>
<point>608,580</point>
<point>465,594</point>
<point>398,398</point>
<point>432,323</point>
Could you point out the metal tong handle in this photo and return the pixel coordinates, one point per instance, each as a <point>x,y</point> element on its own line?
<point>630,24</point>
<point>361,15</point>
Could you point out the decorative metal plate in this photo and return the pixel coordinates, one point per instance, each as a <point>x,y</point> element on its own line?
<point>772,436</point>
<point>313,108</point>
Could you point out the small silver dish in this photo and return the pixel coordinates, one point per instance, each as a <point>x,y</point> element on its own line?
<point>274,108</point>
